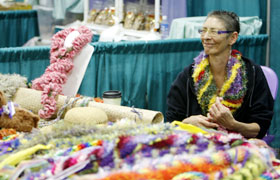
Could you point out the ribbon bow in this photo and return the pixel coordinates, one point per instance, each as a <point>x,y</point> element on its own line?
<point>8,109</point>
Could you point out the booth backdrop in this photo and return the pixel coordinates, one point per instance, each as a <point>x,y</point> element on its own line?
<point>241,7</point>
<point>275,65</point>
<point>17,27</point>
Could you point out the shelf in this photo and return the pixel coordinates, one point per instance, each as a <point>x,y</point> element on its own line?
<point>126,35</point>
<point>119,9</point>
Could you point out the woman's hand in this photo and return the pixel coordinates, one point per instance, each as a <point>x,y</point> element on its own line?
<point>200,121</point>
<point>221,115</point>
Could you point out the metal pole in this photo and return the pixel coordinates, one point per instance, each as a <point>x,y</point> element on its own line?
<point>157,13</point>
<point>119,10</point>
<point>86,6</point>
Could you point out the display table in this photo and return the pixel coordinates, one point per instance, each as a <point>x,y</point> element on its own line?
<point>17,27</point>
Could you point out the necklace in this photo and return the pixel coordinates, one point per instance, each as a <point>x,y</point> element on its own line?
<point>233,89</point>
<point>61,63</point>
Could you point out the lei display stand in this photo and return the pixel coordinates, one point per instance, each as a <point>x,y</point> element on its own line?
<point>81,61</point>
<point>69,49</point>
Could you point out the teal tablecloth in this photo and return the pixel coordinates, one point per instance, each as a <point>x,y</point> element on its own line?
<point>17,27</point>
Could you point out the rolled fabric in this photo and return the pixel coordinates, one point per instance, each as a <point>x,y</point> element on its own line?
<point>30,99</point>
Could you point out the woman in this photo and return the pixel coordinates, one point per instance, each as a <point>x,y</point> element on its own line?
<point>222,88</point>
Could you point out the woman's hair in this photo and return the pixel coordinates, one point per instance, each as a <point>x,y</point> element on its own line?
<point>230,19</point>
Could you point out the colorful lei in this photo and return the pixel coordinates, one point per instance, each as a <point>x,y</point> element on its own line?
<point>155,151</point>
<point>61,59</point>
<point>233,89</point>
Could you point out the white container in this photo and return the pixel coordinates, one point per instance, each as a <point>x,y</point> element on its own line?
<point>112,97</point>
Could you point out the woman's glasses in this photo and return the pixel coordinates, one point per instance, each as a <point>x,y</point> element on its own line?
<point>212,32</point>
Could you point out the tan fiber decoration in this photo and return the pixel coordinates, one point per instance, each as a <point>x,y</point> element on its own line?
<point>30,99</point>
<point>86,116</point>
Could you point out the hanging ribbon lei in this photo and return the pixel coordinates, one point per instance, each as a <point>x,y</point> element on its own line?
<point>233,89</point>
<point>61,63</point>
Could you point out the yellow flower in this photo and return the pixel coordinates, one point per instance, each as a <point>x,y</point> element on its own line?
<point>201,66</point>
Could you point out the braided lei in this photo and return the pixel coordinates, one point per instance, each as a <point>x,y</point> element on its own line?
<point>61,64</point>
<point>233,90</point>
